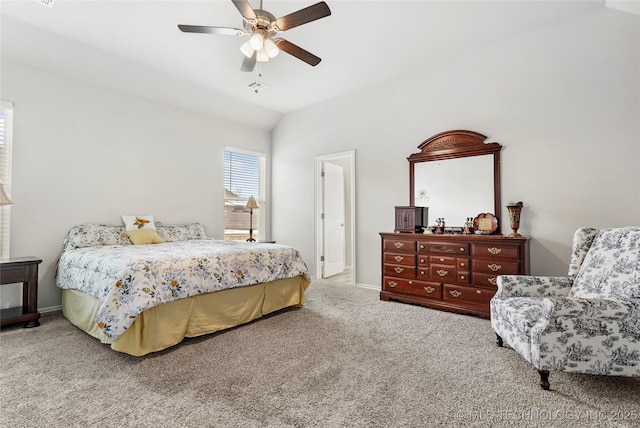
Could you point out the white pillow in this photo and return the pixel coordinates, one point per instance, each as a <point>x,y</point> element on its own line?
<point>135,222</point>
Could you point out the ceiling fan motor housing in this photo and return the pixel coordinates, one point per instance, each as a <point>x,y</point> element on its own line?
<point>263,22</point>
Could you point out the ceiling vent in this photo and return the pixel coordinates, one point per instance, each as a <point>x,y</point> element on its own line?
<point>256,86</point>
<point>48,3</point>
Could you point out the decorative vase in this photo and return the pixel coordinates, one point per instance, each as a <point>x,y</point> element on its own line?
<point>514,216</point>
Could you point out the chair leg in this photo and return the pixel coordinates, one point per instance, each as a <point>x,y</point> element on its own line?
<point>499,341</point>
<point>544,379</point>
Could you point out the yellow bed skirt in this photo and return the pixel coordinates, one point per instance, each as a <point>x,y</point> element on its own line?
<point>166,325</point>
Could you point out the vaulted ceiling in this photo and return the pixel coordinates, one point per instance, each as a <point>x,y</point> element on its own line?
<point>136,46</point>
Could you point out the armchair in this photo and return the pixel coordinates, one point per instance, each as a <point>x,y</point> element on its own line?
<point>587,322</point>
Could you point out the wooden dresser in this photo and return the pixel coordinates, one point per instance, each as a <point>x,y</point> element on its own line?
<point>450,272</point>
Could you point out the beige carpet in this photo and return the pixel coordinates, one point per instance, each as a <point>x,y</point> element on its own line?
<point>344,360</point>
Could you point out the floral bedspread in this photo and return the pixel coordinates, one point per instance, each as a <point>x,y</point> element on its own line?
<point>129,279</point>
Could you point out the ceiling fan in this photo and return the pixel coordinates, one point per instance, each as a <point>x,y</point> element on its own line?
<point>263,26</point>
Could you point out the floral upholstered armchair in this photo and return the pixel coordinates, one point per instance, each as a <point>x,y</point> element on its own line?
<point>587,322</point>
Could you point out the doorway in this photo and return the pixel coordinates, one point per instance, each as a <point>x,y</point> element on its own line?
<point>328,234</point>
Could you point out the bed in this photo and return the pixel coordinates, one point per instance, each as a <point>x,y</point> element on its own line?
<point>145,298</point>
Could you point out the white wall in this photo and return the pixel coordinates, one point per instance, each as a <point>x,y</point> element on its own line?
<point>563,101</point>
<point>87,154</point>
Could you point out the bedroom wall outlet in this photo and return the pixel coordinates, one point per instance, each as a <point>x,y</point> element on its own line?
<point>48,3</point>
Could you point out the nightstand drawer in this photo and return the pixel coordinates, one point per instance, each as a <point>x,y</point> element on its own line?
<point>15,274</point>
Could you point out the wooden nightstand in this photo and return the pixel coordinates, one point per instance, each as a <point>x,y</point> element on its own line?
<point>24,270</point>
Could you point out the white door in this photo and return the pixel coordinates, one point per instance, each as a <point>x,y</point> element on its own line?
<point>333,224</point>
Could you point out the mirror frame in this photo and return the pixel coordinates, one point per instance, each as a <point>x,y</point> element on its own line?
<point>453,145</point>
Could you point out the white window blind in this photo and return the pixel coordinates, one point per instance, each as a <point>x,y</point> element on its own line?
<point>244,176</point>
<point>6,126</point>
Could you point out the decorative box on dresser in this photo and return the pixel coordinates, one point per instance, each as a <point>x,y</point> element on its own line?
<point>450,272</point>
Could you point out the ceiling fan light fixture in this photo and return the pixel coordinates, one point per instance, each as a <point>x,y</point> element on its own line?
<point>262,55</point>
<point>257,39</point>
<point>271,48</point>
<point>247,49</point>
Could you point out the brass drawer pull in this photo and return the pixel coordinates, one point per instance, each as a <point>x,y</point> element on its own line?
<point>442,272</point>
<point>398,269</point>
<point>441,259</point>
<point>494,250</point>
<point>462,264</point>
<point>455,293</point>
<point>478,291</point>
<point>421,260</point>
<point>399,258</point>
<point>399,244</point>
<point>429,289</point>
<point>494,267</point>
<point>462,249</point>
<point>422,247</point>
<point>492,281</point>
<point>463,277</point>
<point>392,284</point>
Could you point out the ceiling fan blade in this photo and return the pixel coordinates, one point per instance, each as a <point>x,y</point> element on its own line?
<point>297,51</point>
<point>245,9</point>
<point>303,16</point>
<point>249,63</point>
<point>224,31</point>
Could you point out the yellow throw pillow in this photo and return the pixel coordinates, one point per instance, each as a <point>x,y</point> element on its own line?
<point>144,236</point>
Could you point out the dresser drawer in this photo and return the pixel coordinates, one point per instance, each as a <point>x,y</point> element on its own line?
<point>444,273</point>
<point>495,267</point>
<point>464,278</point>
<point>495,251</point>
<point>442,247</point>
<point>400,259</point>
<point>442,260</point>
<point>399,245</point>
<point>463,264</point>
<point>462,294</point>
<point>400,271</point>
<point>423,260</point>
<point>414,288</point>
<point>484,279</point>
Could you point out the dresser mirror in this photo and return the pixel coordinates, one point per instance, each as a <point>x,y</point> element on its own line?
<point>457,176</point>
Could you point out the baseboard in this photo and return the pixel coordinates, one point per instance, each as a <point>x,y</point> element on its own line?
<point>369,287</point>
<point>50,309</point>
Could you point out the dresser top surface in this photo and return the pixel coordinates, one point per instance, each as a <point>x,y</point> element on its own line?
<point>453,237</point>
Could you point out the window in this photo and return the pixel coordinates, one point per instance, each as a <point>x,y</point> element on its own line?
<point>244,176</point>
<point>6,124</point>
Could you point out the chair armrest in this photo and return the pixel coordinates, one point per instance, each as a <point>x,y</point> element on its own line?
<point>532,286</point>
<point>590,308</point>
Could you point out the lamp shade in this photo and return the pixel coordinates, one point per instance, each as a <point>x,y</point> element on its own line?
<point>257,39</point>
<point>251,203</point>
<point>271,48</point>
<point>4,199</point>
<point>246,49</point>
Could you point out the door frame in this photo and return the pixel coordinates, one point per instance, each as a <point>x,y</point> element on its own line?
<point>350,156</point>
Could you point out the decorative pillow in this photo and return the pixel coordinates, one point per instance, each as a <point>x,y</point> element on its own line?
<point>180,232</point>
<point>133,222</point>
<point>144,236</point>
<point>610,268</point>
<point>93,235</point>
